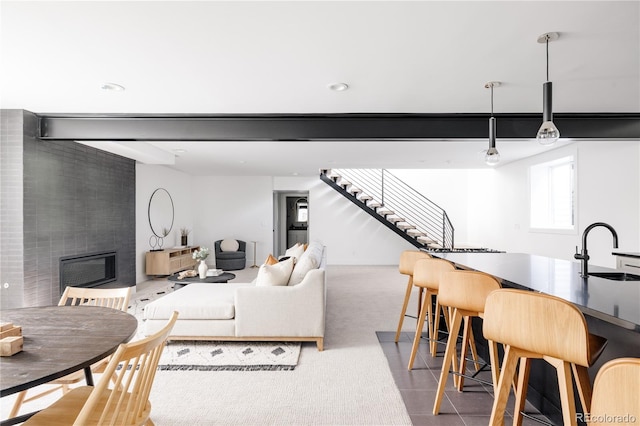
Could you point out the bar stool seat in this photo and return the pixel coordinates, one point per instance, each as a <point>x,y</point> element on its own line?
<point>534,325</point>
<point>426,276</point>
<point>408,259</point>
<point>464,293</point>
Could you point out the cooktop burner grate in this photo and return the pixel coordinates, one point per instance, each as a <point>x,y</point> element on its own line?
<point>461,250</point>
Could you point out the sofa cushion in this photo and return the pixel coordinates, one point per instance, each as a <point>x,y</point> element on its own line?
<point>275,275</point>
<point>304,265</point>
<point>229,245</point>
<point>196,301</point>
<point>271,260</point>
<point>295,251</point>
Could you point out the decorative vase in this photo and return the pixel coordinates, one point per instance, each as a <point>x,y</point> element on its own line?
<point>183,240</point>
<point>202,270</point>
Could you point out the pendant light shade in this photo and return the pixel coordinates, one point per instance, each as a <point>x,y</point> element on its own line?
<point>548,133</point>
<point>492,157</point>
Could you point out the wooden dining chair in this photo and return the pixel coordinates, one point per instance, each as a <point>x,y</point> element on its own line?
<point>408,260</point>
<point>134,365</point>
<point>115,298</point>
<point>616,393</point>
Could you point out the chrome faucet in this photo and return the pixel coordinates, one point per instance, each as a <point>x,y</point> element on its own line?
<point>584,255</point>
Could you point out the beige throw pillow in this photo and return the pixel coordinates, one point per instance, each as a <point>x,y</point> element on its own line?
<point>295,252</point>
<point>229,245</point>
<point>271,260</point>
<point>275,275</point>
<point>304,265</point>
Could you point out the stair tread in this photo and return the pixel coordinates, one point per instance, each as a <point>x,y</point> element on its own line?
<point>405,226</point>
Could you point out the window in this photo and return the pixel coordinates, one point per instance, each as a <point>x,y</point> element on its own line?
<point>552,194</point>
<point>302,210</point>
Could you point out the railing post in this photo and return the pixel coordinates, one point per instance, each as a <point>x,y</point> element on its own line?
<point>382,185</point>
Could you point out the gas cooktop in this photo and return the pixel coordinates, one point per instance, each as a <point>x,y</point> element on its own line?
<point>461,250</point>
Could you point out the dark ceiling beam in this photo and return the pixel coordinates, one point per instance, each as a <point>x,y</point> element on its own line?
<point>270,127</point>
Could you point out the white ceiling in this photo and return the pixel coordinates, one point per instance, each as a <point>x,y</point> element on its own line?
<point>209,57</point>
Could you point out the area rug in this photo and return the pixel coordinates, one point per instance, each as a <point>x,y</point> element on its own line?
<point>229,356</point>
<point>216,356</point>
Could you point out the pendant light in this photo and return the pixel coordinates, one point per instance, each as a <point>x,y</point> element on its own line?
<point>548,133</point>
<point>492,157</point>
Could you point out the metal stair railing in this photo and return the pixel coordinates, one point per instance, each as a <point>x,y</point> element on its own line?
<point>393,194</point>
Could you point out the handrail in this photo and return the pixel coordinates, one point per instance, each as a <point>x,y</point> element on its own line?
<point>394,194</point>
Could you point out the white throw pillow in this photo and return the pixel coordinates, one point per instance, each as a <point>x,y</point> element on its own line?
<point>304,265</point>
<point>295,252</point>
<point>229,245</point>
<point>275,275</point>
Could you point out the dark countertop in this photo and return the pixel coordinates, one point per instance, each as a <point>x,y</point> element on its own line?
<point>626,254</point>
<point>615,302</point>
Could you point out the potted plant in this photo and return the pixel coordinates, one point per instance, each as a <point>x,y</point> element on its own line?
<point>184,233</point>
<point>201,256</point>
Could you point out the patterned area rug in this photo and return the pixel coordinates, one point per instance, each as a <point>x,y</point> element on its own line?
<point>234,356</point>
<point>217,356</point>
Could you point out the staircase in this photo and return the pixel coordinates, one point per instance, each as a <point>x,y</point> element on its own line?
<point>395,204</point>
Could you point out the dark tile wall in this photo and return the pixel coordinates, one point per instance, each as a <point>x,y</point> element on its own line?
<point>11,171</point>
<point>76,200</point>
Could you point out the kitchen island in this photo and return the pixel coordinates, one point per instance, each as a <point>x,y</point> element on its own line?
<point>611,309</point>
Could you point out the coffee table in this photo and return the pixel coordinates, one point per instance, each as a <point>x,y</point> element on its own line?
<point>222,278</point>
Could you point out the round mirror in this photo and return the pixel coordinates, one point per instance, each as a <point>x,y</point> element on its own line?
<point>161,213</point>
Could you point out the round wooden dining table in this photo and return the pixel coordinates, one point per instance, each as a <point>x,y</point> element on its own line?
<point>59,340</point>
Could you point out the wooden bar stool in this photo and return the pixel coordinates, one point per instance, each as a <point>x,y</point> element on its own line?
<point>408,259</point>
<point>464,293</point>
<point>426,276</point>
<point>616,393</point>
<point>534,325</point>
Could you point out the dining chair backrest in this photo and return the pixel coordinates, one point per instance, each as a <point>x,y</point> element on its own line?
<point>428,272</point>
<point>134,364</point>
<point>538,323</point>
<point>115,298</point>
<point>616,393</point>
<point>466,290</point>
<point>408,259</point>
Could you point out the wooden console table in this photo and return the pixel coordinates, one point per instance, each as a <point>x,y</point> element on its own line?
<point>170,261</point>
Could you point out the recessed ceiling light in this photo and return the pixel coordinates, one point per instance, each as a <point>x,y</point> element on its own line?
<point>295,173</point>
<point>112,86</point>
<point>338,87</point>
<point>179,150</point>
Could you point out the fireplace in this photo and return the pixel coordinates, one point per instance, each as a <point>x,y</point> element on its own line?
<point>87,270</point>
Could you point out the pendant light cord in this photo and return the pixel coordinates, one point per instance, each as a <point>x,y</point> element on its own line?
<point>492,99</point>
<point>547,37</point>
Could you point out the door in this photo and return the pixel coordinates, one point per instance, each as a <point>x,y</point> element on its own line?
<point>291,219</point>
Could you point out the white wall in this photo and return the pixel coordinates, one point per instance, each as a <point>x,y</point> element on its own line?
<point>238,207</point>
<point>488,207</point>
<point>178,184</point>
<point>352,237</point>
<point>608,184</point>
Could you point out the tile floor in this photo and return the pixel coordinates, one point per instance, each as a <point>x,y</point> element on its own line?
<point>472,407</point>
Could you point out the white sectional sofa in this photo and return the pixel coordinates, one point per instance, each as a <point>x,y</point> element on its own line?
<point>249,312</point>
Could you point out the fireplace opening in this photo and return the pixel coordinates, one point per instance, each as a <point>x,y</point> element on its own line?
<point>87,270</point>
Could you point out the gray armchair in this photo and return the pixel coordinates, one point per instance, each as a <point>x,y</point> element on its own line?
<point>231,260</point>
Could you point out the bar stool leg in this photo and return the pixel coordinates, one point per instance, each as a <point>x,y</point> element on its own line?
<point>566,393</point>
<point>426,302</point>
<point>463,353</point>
<point>501,393</point>
<point>449,358</point>
<point>521,394</point>
<point>493,359</point>
<point>407,295</point>
<point>474,352</point>
<point>436,326</point>
<point>584,386</point>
